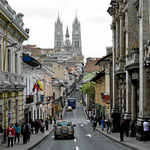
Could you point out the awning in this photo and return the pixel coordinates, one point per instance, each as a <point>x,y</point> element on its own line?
<point>30,60</point>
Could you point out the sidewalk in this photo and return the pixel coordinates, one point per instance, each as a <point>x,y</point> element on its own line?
<point>128,141</point>
<point>34,140</point>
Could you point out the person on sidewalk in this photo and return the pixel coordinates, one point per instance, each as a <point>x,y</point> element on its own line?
<point>146,130</point>
<point>103,124</point>
<point>1,133</point>
<point>17,132</point>
<point>46,123</point>
<point>108,123</point>
<point>10,134</point>
<point>94,124</point>
<point>42,126</point>
<point>36,126</point>
<point>122,129</point>
<point>24,132</point>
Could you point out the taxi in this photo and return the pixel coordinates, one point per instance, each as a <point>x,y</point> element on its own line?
<point>69,108</point>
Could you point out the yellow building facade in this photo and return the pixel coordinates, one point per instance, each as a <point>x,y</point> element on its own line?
<point>12,35</point>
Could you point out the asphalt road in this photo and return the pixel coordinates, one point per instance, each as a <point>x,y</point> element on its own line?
<point>85,137</point>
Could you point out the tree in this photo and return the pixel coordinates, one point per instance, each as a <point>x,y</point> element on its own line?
<point>89,89</point>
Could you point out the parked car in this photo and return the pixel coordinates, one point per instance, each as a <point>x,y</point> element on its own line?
<point>63,129</point>
<point>69,108</point>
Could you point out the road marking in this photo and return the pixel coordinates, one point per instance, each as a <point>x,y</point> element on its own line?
<point>89,135</point>
<point>53,136</point>
<point>75,140</point>
<point>82,125</point>
<point>88,121</point>
<point>77,148</point>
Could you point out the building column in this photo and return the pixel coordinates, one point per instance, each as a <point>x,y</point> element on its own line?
<point>117,38</point>
<point>133,109</point>
<point>144,96</point>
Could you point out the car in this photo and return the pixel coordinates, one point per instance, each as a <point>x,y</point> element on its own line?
<point>69,108</point>
<point>64,129</point>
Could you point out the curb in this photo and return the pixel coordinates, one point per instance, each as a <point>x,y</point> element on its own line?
<point>114,139</point>
<point>39,141</point>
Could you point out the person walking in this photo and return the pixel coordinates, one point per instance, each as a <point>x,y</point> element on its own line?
<point>17,132</point>
<point>122,129</point>
<point>36,126</point>
<point>24,132</point>
<point>46,123</point>
<point>103,124</point>
<point>146,130</point>
<point>108,123</point>
<point>1,133</point>
<point>42,126</point>
<point>10,134</point>
<point>94,124</point>
<point>32,125</point>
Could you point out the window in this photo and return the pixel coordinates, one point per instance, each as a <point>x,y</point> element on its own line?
<point>76,44</point>
<point>16,63</point>
<point>58,44</point>
<point>9,61</point>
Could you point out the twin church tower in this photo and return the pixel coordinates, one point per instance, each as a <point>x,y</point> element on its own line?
<point>74,47</point>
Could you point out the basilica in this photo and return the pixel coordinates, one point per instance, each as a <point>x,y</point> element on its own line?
<point>74,47</point>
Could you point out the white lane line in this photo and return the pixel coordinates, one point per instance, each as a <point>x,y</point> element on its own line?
<point>82,125</point>
<point>89,135</point>
<point>77,148</point>
<point>88,121</point>
<point>75,140</point>
<point>53,136</point>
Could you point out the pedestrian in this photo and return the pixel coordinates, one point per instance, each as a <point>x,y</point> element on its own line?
<point>10,134</point>
<point>54,120</point>
<point>32,125</point>
<point>36,126</point>
<point>50,119</point>
<point>122,129</point>
<point>1,133</point>
<point>42,126</point>
<point>46,123</point>
<point>17,132</point>
<point>146,130</point>
<point>24,132</point>
<point>108,123</point>
<point>103,123</point>
<point>94,124</point>
<point>29,132</point>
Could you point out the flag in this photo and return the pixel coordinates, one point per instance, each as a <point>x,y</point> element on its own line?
<point>34,87</point>
<point>40,85</point>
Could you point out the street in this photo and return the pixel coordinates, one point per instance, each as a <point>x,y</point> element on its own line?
<point>85,137</point>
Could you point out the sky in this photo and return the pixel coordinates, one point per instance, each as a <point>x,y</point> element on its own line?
<point>40,16</point>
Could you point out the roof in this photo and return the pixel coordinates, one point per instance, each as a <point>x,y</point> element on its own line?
<point>105,58</point>
<point>98,76</point>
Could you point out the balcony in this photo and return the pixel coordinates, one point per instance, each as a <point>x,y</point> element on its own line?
<point>119,66</point>
<point>132,59</point>
<point>4,78</point>
<point>10,81</point>
<point>29,99</point>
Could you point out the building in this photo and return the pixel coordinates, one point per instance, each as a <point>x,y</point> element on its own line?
<point>90,65</point>
<point>74,48</point>
<point>131,90</point>
<point>12,35</point>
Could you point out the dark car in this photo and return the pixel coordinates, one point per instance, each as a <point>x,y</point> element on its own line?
<point>64,129</point>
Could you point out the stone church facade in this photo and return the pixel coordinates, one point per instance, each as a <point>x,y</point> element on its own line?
<point>131,64</point>
<point>74,47</point>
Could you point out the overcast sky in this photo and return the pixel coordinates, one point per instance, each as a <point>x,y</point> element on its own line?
<point>40,16</point>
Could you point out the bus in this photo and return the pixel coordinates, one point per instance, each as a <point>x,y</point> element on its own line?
<point>72,102</point>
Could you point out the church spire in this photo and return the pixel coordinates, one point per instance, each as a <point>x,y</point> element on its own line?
<point>67,33</point>
<point>58,18</point>
<point>76,17</point>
